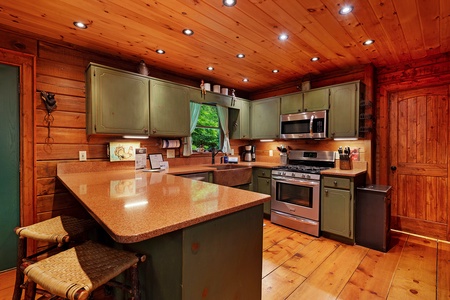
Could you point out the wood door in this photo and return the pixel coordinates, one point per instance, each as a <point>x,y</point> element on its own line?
<point>419,122</point>
<point>9,165</point>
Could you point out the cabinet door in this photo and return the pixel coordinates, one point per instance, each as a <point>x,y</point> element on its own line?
<point>344,110</point>
<point>291,104</point>
<point>117,102</point>
<point>169,109</point>
<point>239,120</point>
<point>316,100</point>
<point>337,212</point>
<point>265,118</point>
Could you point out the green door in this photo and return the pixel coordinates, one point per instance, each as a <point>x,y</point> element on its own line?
<point>9,165</point>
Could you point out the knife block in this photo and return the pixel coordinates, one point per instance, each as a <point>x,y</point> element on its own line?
<point>345,162</point>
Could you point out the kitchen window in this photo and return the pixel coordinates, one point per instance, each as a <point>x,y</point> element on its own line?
<point>207,133</point>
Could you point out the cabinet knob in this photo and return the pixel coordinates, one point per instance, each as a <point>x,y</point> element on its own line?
<point>326,192</point>
<point>268,181</point>
<point>145,130</point>
<point>154,131</point>
<point>263,173</point>
<point>393,168</point>
<point>335,182</point>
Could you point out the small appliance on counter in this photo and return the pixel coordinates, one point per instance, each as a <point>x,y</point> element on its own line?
<point>253,153</point>
<point>247,155</point>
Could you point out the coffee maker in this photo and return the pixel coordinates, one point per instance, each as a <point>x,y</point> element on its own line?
<point>247,155</point>
<point>253,153</point>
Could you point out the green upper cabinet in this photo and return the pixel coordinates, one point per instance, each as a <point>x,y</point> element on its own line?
<point>292,103</point>
<point>317,99</point>
<point>116,102</point>
<point>265,118</point>
<point>344,110</point>
<point>169,109</point>
<point>239,120</point>
<point>313,100</point>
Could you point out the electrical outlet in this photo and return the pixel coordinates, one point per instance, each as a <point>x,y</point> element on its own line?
<point>82,155</point>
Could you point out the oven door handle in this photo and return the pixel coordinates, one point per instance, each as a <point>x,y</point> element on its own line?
<point>296,181</point>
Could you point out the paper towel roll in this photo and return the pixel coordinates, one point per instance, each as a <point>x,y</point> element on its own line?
<point>167,144</point>
<point>216,88</point>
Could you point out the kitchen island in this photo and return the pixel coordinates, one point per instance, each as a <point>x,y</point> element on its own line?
<point>201,240</point>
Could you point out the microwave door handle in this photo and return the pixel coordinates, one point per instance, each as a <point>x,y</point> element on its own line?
<point>311,122</point>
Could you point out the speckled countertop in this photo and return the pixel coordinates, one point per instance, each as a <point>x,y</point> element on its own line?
<point>133,206</point>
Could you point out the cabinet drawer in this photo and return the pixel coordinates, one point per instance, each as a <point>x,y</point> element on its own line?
<point>336,182</point>
<point>261,172</point>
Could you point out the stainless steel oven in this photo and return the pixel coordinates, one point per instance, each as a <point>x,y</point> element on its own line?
<point>296,190</point>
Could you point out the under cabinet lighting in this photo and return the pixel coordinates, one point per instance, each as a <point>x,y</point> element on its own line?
<point>345,139</point>
<point>160,51</point>
<point>141,137</point>
<point>265,141</point>
<point>229,3</point>
<point>80,25</point>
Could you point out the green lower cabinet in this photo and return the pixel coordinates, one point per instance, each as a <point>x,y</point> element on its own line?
<point>262,184</point>
<point>337,211</point>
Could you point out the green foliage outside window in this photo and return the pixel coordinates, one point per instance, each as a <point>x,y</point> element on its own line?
<point>207,132</point>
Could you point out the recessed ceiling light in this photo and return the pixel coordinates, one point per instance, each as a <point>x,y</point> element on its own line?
<point>368,42</point>
<point>229,3</point>
<point>80,25</point>
<point>315,58</point>
<point>283,37</point>
<point>160,51</point>
<point>188,31</point>
<point>210,68</point>
<point>346,9</point>
<point>275,71</point>
<point>245,80</point>
<point>240,55</point>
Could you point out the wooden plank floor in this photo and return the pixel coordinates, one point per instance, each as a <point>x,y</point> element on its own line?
<point>299,266</point>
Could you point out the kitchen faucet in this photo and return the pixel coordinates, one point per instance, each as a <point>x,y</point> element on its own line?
<point>213,154</point>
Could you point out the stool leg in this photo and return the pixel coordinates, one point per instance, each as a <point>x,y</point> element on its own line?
<point>30,292</point>
<point>21,254</point>
<point>135,282</point>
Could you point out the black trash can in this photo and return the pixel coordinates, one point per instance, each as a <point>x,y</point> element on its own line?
<point>373,216</point>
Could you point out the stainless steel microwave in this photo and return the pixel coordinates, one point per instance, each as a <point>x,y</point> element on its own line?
<point>305,125</point>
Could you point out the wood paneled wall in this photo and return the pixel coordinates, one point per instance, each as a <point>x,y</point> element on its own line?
<point>430,76</point>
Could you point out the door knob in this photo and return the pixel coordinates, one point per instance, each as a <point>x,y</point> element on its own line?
<point>393,168</point>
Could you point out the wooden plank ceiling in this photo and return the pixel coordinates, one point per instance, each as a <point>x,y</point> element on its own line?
<point>403,30</point>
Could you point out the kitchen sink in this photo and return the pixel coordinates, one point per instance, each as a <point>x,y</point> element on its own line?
<point>232,175</point>
<point>228,167</point>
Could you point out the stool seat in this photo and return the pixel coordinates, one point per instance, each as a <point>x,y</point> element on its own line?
<point>78,271</point>
<point>58,229</point>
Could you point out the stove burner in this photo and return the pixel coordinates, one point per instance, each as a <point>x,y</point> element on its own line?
<point>302,168</point>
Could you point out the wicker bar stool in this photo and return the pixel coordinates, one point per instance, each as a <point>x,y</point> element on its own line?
<point>58,231</point>
<point>75,273</point>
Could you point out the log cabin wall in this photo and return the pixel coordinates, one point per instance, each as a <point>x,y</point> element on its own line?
<point>420,200</point>
<point>60,69</point>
